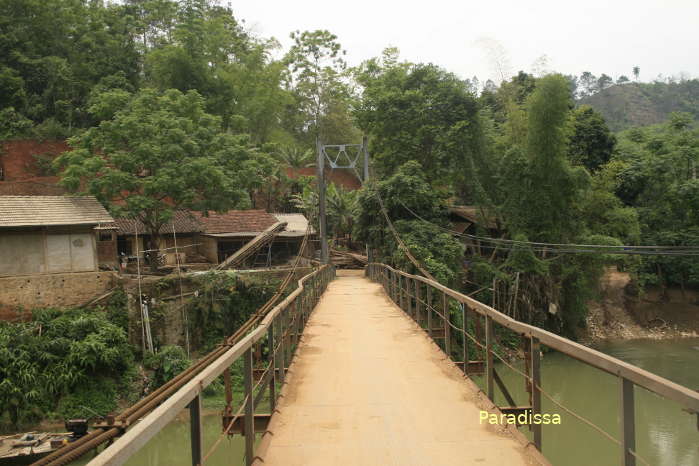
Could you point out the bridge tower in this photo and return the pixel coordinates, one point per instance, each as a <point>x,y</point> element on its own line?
<point>337,156</point>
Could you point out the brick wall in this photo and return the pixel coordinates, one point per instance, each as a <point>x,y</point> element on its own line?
<point>22,174</point>
<point>52,290</point>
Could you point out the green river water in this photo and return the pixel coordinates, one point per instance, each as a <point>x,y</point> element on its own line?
<point>665,435</point>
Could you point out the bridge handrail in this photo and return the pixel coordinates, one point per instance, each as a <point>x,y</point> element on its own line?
<point>671,390</point>
<point>138,435</point>
<point>652,382</point>
<point>406,291</point>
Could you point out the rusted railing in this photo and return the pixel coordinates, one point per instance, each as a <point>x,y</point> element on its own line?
<point>429,302</point>
<point>266,352</point>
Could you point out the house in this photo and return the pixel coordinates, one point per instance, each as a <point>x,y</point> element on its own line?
<point>50,234</point>
<point>51,251</point>
<point>471,221</point>
<point>466,219</point>
<point>184,230</point>
<point>224,234</point>
<point>289,241</point>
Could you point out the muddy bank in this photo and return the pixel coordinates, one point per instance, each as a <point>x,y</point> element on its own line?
<point>622,313</point>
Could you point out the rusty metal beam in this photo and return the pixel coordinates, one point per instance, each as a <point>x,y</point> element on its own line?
<point>260,423</point>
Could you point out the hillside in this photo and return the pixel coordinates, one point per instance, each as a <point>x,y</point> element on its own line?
<point>641,104</point>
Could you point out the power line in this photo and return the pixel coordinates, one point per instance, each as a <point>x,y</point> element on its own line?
<point>569,248</point>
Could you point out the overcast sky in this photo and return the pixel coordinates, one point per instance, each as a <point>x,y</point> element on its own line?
<point>609,36</point>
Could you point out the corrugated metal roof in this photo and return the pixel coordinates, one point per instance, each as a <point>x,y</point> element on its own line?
<point>473,215</point>
<point>183,220</point>
<point>18,211</point>
<point>295,223</point>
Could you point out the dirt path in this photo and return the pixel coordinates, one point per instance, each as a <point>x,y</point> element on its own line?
<point>369,388</point>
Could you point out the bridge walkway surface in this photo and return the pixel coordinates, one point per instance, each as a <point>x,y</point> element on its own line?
<point>368,387</point>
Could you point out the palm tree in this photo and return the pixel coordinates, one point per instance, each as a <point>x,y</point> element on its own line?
<point>294,157</point>
<point>342,205</point>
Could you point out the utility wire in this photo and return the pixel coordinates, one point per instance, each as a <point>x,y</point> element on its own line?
<point>570,248</point>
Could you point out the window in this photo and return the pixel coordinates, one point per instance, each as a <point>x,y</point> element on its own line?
<point>106,236</point>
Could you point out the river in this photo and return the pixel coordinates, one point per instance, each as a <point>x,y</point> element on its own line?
<point>665,435</point>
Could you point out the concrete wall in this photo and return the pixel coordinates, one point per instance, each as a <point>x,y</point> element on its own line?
<point>209,249</point>
<point>54,290</point>
<point>33,251</point>
<point>184,241</point>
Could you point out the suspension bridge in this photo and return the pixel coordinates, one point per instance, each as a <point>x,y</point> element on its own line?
<point>370,367</point>
<point>373,366</point>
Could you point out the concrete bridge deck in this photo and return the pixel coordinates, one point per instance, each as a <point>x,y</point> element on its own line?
<point>368,387</point>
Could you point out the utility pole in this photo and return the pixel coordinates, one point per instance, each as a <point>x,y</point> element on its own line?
<point>320,172</point>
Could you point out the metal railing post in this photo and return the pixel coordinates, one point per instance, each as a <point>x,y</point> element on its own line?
<point>228,386</point>
<point>627,422</point>
<point>272,359</point>
<point>395,287</point>
<point>447,327</point>
<point>535,355</point>
<point>464,332</point>
<point>429,311</point>
<point>409,304</point>
<point>417,302</point>
<point>249,408</point>
<point>279,355</point>
<point>489,357</point>
<point>400,291</point>
<point>195,431</point>
<point>287,333</point>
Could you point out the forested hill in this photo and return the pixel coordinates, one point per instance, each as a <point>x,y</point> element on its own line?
<point>641,104</point>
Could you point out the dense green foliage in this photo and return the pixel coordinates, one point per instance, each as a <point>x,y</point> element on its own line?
<point>405,191</point>
<point>61,352</point>
<point>420,112</point>
<point>169,361</point>
<point>158,152</point>
<point>654,170</point>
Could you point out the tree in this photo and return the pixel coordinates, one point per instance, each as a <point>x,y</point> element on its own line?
<point>318,80</point>
<point>294,157</point>
<point>425,114</point>
<point>546,202</point>
<point>636,72</point>
<point>588,84</point>
<point>604,81</point>
<point>622,79</point>
<point>655,172</point>
<point>591,143</point>
<point>405,193</point>
<point>159,153</point>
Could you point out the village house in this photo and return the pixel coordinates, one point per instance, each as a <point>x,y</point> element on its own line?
<point>182,231</point>
<point>51,250</point>
<point>224,234</point>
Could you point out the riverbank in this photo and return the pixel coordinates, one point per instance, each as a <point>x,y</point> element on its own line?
<point>619,314</point>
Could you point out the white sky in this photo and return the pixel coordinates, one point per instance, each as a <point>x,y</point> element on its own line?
<point>590,35</point>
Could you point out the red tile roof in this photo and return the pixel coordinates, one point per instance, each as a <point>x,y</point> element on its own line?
<point>184,222</point>
<point>237,221</point>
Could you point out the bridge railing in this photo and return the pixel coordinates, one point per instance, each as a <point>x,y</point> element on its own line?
<point>266,351</point>
<point>429,302</point>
